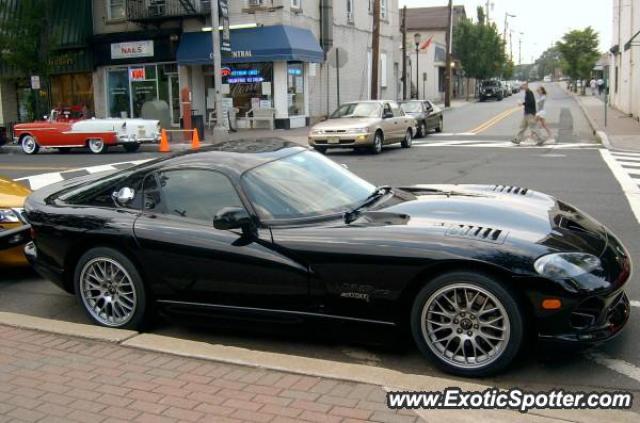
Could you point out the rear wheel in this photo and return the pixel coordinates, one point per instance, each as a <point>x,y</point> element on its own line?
<point>440,126</point>
<point>131,148</point>
<point>378,138</point>
<point>97,146</point>
<point>29,145</point>
<point>407,142</point>
<point>422,130</point>
<point>110,289</point>
<point>468,323</point>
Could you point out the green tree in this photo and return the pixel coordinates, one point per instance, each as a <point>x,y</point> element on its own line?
<point>579,52</point>
<point>26,41</point>
<point>479,47</point>
<point>548,62</point>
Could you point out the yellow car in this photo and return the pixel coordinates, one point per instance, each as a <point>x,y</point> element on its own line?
<point>14,231</point>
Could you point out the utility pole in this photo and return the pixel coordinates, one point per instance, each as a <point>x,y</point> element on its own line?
<point>219,131</point>
<point>375,50</point>
<point>511,46</point>
<point>520,48</point>
<point>447,74</point>
<point>488,6</point>
<point>404,53</point>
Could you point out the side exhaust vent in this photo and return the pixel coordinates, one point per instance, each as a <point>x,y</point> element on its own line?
<point>509,189</point>
<point>478,233</point>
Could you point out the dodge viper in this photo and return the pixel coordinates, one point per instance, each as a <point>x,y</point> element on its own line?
<point>272,230</point>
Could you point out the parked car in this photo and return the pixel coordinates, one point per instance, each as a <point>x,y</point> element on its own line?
<point>515,87</point>
<point>491,89</point>
<point>270,231</point>
<point>14,231</point>
<point>428,116</point>
<point>96,134</point>
<point>364,124</point>
<point>506,85</point>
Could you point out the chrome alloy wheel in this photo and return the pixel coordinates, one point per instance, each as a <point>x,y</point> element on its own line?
<point>108,292</point>
<point>465,325</point>
<point>29,145</point>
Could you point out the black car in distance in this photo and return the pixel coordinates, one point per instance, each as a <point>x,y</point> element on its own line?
<point>271,229</point>
<point>491,88</point>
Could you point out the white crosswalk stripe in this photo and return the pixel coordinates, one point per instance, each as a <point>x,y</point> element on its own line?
<point>504,144</point>
<point>630,164</point>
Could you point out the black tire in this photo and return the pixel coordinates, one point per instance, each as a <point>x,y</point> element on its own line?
<point>510,305</point>
<point>422,130</point>
<point>141,310</point>
<point>378,141</point>
<point>407,141</point>
<point>131,148</point>
<point>499,98</point>
<point>440,126</point>
<point>321,150</point>
<point>482,99</point>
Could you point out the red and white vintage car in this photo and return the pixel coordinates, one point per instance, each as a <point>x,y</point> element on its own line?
<point>62,131</point>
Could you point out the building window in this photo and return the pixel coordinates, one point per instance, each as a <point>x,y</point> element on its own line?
<point>295,91</point>
<point>249,86</point>
<point>116,9</point>
<point>350,11</point>
<point>296,4</point>
<point>383,70</point>
<point>383,9</point>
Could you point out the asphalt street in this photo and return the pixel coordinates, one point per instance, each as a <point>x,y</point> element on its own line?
<point>572,169</point>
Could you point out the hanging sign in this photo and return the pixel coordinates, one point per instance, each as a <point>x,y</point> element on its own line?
<point>223,13</point>
<point>132,49</point>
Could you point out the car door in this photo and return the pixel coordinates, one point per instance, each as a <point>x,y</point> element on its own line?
<point>389,124</point>
<point>402,122</point>
<point>189,261</point>
<point>431,122</point>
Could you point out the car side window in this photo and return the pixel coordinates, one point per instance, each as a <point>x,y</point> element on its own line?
<point>396,110</point>
<point>190,193</point>
<point>387,109</point>
<point>428,106</point>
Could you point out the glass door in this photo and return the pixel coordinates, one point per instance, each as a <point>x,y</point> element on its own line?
<point>174,100</point>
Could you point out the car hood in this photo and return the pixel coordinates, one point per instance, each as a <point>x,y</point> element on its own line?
<point>495,214</point>
<point>344,123</point>
<point>12,194</point>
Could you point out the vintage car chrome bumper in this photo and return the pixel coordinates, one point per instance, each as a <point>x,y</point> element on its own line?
<point>133,138</point>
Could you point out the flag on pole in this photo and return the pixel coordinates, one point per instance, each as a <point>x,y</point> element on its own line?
<point>426,43</point>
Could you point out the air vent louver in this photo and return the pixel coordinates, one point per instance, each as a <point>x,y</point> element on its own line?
<point>510,189</point>
<point>479,233</point>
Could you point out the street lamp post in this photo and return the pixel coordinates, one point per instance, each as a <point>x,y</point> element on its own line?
<point>417,38</point>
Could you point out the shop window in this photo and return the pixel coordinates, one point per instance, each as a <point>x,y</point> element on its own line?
<point>72,90</point>
<point>116,9</point>
<point>246,85</point>
<point>295,77</point>
<point>118,92</point>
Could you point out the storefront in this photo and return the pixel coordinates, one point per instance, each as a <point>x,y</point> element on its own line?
<point>137,68</point>
<point>267,68</point>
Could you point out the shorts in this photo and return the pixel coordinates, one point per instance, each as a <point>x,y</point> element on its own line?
<point>541,114</point>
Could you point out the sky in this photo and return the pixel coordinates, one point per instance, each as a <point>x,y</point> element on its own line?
<point>543,22</point>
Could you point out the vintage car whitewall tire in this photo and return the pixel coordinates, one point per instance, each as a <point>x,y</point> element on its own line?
<point>97,146</point>
<point>468,324</point>
<point>29,144</point>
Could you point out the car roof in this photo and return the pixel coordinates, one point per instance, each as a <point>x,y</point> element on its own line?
<point>237,156</point>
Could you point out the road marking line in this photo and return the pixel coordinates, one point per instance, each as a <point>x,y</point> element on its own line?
<point>619,366</point>
<point>98,169</point>
<point>452,134</point>
<point>39,181</point>
<point>628,158</point>
<point>634,303</point>
<point>632,172</point>
<point>622,153</point>
<point>629,187</point>
<point>493,121</point>
<point>441,144</point>
<point>632,164</point>
<point>33,168</point>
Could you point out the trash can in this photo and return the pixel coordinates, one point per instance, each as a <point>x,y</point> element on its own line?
<point>198,123</point>
<point>3,136</point>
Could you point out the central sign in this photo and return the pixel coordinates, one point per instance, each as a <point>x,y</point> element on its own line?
<point>132,49</point>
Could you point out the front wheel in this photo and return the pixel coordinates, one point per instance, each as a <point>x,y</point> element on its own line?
<point>97,146</point>
<point>110,289</point>
<point>376,148</point>
<point>407,142</point>
<point>29,145</point>
<point>468,323</point>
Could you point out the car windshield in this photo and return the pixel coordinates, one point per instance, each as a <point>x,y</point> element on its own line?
<point>304,185</point>
<point>411,107</point>
<point>357,110</point>
<point>490,83</point>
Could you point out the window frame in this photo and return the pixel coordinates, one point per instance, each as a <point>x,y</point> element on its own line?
<point>110,17</point>
<point>296,4</point>
<point>156,172</point>
<point>350,11</point>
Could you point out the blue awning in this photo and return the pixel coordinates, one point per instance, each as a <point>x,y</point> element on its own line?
<point>260,44</point>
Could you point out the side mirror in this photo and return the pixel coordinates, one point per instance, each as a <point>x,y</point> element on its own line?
<point>232,218</point>
<point>124,196</point>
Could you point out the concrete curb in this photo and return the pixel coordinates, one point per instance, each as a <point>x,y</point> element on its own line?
<point>386,378</point>
<point>66,328</point>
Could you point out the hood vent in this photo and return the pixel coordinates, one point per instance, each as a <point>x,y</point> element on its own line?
<point>479,233</point>
<point>509,189</point>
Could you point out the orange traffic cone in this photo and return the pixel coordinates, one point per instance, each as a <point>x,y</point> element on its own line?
<point>195,142</point>
<point>164,142</point>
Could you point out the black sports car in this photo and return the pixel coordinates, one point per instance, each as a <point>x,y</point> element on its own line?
<point>271,229</point>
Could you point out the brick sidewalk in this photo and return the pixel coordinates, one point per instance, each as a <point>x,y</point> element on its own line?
<point>53,378</point>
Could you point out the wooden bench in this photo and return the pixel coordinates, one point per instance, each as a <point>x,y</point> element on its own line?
<point>262,114</point>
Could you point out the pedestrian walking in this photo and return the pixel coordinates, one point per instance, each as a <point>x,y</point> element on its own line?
<point>541,115</point>
<point>594,85</point>
<point>529,119</point>
<point>600,86</point>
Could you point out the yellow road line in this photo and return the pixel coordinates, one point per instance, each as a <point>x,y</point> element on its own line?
<point>32,168</point>
<point>494,120</point>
